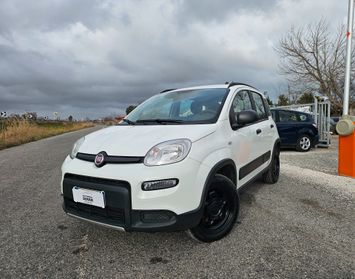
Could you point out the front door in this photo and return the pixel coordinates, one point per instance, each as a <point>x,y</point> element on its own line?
<point>244,139</point>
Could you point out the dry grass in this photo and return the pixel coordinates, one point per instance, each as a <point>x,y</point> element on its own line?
<point>21,131</point>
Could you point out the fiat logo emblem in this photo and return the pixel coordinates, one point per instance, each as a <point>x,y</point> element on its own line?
<point>99,160</point>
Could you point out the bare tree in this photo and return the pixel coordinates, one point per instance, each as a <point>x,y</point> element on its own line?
<point>314,59</point>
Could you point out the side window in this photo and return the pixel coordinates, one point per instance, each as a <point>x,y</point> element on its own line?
<point>259,106</point>
<point>287,116</point>
<point>241,102</point>
<point>267,107</point>
<point>273,113</point>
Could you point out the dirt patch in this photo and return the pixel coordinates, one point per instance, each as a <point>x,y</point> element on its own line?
<point>315,205</point>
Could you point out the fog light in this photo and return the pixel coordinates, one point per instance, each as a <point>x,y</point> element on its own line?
<point>159,184</point>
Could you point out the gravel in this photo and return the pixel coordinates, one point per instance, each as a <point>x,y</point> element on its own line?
<point>319,159</point>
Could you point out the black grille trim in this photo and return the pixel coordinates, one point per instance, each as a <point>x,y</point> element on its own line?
<point>96,180</point>
<point>111,159</point>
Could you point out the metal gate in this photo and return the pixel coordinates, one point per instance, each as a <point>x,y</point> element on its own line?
<point>321,115</point>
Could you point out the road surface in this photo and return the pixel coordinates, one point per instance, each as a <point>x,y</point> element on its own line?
<point>302,227</point>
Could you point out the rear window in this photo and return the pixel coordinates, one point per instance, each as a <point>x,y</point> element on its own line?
<point>287,116</point>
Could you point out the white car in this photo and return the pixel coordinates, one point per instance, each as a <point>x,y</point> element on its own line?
<point>176,162</point>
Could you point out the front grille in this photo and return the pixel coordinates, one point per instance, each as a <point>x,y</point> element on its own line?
<point>109,159</point>
<point>96,213</point>
<point>96,180</point>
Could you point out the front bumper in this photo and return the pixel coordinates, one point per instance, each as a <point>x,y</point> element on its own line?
<point>118,213</point>
<point>184,197</point>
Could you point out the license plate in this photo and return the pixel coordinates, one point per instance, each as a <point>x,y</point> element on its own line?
<point>91,197</point>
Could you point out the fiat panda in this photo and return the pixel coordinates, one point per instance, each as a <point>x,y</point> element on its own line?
<point>176,162</point>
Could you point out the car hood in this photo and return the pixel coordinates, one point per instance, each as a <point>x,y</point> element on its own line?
<point>136,140</point>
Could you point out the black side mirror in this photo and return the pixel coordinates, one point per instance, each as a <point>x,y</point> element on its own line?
<point>242,118</point>
<point>246,117</point>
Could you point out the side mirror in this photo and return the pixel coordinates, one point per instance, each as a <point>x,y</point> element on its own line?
<point>246,117</point>
<point>242,118</point>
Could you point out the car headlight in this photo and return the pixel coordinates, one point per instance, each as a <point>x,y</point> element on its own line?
<point>168,152</point>
<point>76,147</point>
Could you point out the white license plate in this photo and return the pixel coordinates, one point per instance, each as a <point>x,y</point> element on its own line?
<point>92,197</point>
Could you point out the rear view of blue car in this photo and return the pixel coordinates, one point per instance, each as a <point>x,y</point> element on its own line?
<point>296,129</point>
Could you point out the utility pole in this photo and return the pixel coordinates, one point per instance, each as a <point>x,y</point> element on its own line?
<point>349,35</point>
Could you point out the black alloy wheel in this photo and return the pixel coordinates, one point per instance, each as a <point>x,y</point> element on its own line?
<point>220,210</point>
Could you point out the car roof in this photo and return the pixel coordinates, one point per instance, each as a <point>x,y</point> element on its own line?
<point>302,112</point>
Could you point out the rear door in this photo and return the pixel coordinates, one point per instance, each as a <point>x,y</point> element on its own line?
<point>287,125</point>
<point>264,130</point>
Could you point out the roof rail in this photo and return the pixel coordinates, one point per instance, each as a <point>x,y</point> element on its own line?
<point>167,90</point>
<point>232,83</point>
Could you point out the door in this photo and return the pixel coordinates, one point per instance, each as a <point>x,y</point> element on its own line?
<point>264,129</point>
<point>244,139</point>
<point>287,126</point>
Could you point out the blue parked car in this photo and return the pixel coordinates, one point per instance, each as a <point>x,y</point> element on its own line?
<point>296,129</point>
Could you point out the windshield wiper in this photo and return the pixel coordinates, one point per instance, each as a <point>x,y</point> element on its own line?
<point>128,121</point>
<point>160,121</point>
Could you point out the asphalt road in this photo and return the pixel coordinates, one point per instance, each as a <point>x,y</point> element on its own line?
<point>302,227</point>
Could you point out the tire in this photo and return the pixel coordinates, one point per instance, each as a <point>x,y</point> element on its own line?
<point>220,210</point>
<point>271,176</point>
<point>304,143</point>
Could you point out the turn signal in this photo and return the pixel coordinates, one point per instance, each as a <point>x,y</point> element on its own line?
<point>159,184</point>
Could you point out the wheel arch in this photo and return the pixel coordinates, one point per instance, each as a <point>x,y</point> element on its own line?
<point>225,166</point>
<point>277,145</point>
<point>305,131</point>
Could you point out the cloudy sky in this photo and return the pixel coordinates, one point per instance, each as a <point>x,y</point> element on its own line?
<point>93,58</point>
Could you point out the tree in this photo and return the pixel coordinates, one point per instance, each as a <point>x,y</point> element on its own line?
<point>305,98</point>
<point>30,116</point>
<point>282,100</point>
<point>269,101</point>
<point>313,58</point>
<point>70,118</point>
<point>130,108</point>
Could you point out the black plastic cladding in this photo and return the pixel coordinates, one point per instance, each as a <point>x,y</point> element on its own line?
<point>167,90</point>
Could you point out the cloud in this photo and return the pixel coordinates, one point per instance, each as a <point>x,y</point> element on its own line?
<point>93,58</point>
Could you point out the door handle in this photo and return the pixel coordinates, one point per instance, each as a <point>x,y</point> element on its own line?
<point>272,126</point>
<point>258,131</point>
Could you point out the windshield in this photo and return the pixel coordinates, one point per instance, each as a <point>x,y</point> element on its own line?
<point>199,106</point>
